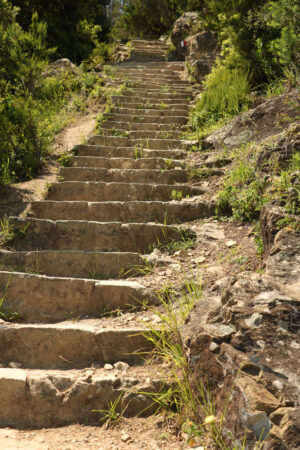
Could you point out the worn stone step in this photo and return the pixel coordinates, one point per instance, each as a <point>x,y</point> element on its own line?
<point>163,96</point>
<point>135,125</point>
<point>178,66</point>
<point>39,298</point>
<point>133,118</point>
<point>157,176</point>
<point>98,191</point>
<point>126,212</point>
<point>157,113</point>
<point>138,134</point>
<point>153,100</point>
<point>153,71</point>
<point>160,80</point>
<point>71,344</point>
<point>158,105</point>
<point>75,264</point>
<point>32,399</point>
<point>150,143</point>
<point>41,234</point>
<point>126,163</point>
<point>126,152</point>
<point>139,83</point>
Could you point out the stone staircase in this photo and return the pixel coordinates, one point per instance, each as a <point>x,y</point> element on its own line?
<point>61,272</point>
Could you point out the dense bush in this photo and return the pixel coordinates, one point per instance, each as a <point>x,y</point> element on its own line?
<point>72,25</point>
<point>31,100</point>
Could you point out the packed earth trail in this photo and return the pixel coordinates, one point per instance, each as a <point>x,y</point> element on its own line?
<point>76,346</point>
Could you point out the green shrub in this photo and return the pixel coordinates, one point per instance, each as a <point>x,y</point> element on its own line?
<point>225,95</point>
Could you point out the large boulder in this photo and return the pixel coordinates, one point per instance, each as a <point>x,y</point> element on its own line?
<point>202,50</point>
<point>186,25</point>
<point>272,116</point>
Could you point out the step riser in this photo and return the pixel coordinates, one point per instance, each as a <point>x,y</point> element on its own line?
<point>147,134</point>
<point>66,298</point>
<point>125,163</point>
<point>142,106</point>
<point>126,152</point>
<point>136,126</point>
<point>147,143</point>
<point>89,236</point>
<point>138,212</point>
<point>144,84</point>
<point>179,120</point>
<point>135,99</point>
<point>50,403</point>
<point>157,113</point>
<point>56,347</point>
<point>123,176</point>
<point>95,192</point>
<point>71,264</point>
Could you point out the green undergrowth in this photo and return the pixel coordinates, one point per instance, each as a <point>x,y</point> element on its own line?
<point>248,187</point>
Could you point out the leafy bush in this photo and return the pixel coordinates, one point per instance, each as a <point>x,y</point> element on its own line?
<point>225,95</point>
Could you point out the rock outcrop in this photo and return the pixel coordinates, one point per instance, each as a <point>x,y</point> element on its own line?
<point>243,342</point>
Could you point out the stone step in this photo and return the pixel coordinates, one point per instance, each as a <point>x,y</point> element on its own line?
<point>138,126</point>
<point>152,85</point>
<point>71,344</point>
<point>153,100</point>
<point>142,56</point>
<point>159,81</point>
<point>75,264</point>
<point>157,113</point>
<point>139,134</point>
<point>149,66</point>
<point>32,399</point>
<point>97,191</point>
<point>126,163</point>
<point>126,212</point>
<point>156,176</point>
<point>136,89</point>
<point>151,71</point>
<point>175,65</point>
<point>157,105</point>
<point>133,118</point>
<point>126,152</point>
<point>41,234</point>
<point>163,96</point>
<point>61,299</point>
<point>155,143</point>
<point>151,42</point>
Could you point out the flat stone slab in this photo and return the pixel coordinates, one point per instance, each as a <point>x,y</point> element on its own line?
<point>71,344</point>
<point>100,191</point>
<point>38,298</point>
<point>39,399</point>
<point>71,263</point>
<point>42,234</point>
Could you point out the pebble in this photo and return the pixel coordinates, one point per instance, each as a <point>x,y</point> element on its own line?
<point>125,437</point>
<point>108,367</point>
<point>14,365</point>
<point>120,365</point>
<point>182,254</point>
<point>231,243</point>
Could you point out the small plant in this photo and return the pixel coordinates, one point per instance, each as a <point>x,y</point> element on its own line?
<point>111,416</point>
<point>169,164</point>
<point>6,314</point>
<point>7,233</point>
<point>139,152</point>
<point>176,195</point>
<point>140,270</point>
<point>65,159</point>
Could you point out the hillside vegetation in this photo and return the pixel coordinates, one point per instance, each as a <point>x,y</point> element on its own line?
<point>260,50</point>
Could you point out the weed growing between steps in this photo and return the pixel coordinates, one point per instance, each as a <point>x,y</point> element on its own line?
<point>6,314</point>
<point>184,397</point>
